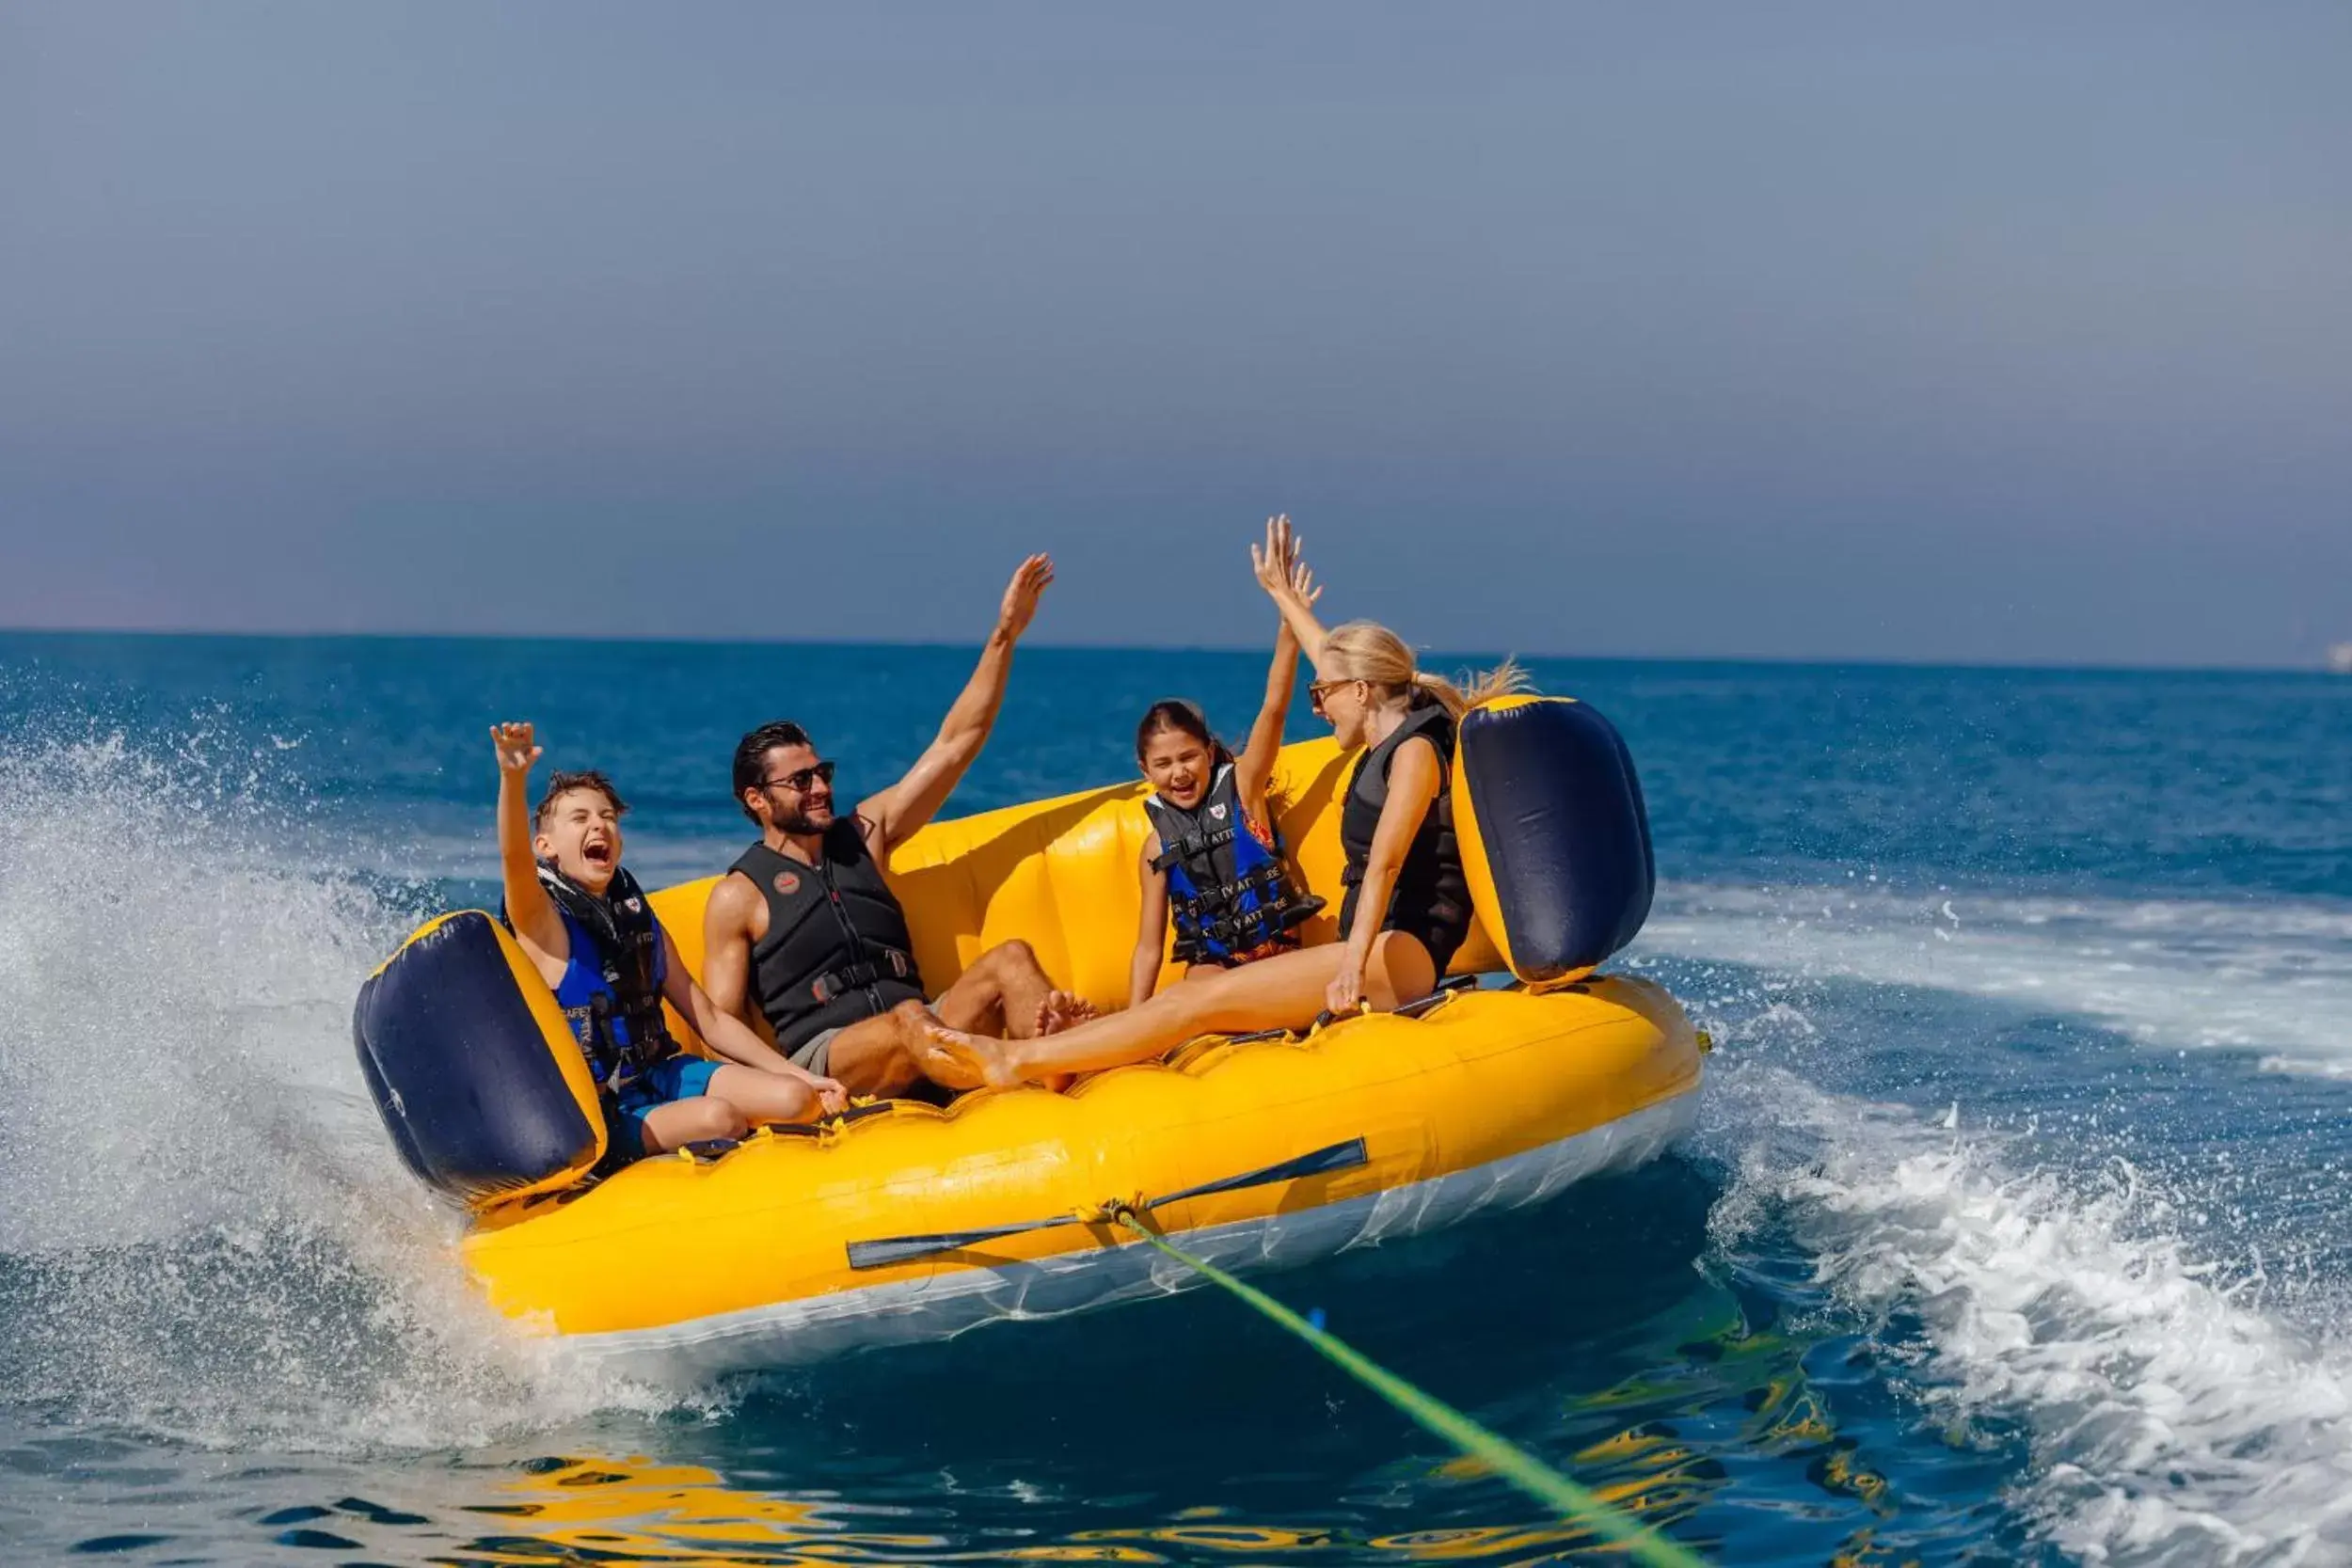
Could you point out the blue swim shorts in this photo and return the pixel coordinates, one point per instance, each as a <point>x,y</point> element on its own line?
<point>678,1077</point>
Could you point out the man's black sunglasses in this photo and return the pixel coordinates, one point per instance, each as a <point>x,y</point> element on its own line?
<point>799,782</point>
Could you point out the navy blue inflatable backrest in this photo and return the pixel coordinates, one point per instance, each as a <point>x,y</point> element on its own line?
<point>478,1081</point>
<point>1554,834</point>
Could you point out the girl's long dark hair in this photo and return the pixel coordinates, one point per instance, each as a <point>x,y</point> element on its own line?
<point>1175,713</point>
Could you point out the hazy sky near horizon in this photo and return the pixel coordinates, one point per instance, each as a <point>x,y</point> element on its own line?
<point>1984,333</point>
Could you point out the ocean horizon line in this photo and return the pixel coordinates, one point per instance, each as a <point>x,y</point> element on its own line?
<point>2317,668</point>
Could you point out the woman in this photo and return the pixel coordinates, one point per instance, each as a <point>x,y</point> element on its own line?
<point>1408,906</point>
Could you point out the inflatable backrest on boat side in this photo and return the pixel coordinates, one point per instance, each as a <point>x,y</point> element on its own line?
<point>1555,835</point>
<point>477,1076</point>
<point>1061,875</point>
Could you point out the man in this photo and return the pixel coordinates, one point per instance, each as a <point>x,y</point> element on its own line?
<point>804,923</point>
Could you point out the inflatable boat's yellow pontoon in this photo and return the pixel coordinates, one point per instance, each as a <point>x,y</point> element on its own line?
<point>904,1222</point>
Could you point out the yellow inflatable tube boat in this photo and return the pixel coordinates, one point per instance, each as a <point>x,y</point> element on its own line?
<point>904,1222</point>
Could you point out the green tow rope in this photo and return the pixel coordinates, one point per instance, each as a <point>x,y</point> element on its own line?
<point>1516,1464</point>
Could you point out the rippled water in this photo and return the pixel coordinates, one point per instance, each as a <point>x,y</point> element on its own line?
<point>2010,1228</point>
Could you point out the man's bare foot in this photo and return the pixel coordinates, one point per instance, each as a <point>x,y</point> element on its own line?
<point>1060,1009</point>
<point>957,1060</point>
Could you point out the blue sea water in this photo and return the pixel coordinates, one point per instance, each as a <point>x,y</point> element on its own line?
<point>2011,1230</point>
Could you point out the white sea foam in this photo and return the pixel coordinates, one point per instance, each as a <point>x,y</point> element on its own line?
<point>203,1229</point>
<point>2173,1415</point>
<point>2170,1420</point>
<point>2273,975</point>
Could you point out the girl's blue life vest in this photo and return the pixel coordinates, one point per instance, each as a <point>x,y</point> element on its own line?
<point>610,991</point>
<point>1230,897</point>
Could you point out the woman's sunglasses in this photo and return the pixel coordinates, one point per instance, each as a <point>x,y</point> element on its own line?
<point>799,782</point>
<point>1316,689</point>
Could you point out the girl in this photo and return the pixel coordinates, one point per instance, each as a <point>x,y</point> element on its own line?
<point>1406,907</point>
<point>1213,854</point>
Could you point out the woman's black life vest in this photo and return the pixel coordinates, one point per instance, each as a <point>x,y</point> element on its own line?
<point>611,987</point>
<point>1230,897</point>
<point>836,950</point>
<point>1431,899</point>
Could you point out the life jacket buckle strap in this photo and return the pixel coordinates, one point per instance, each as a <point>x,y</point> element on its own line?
<point>1191,847</point>
<point>886,964</point>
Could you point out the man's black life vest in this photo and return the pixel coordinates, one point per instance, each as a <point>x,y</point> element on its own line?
<point>1229,898</point>
<point>612,987</point>
<point>1431,896</point>
<point>836,950</point>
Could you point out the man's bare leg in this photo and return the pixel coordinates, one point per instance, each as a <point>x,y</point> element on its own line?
<point>1007,993</point>
<point>886,1056</point>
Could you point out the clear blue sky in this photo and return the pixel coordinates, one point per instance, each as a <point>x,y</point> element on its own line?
<point>1985,332</point>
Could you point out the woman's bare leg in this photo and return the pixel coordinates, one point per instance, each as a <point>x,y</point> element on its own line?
<point>1283,991</point>
<point>1399,970</point>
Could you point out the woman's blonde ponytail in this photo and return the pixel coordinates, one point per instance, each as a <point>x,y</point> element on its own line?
<point>1475,686</point>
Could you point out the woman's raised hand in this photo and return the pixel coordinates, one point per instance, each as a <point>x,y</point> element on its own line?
<point>1279,568</point>
<point>516,748</point>
<point>1282,573</point>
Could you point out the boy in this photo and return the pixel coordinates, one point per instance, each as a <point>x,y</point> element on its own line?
<point>588,930</point>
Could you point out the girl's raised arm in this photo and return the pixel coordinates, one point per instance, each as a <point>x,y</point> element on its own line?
<point>1253,771</point>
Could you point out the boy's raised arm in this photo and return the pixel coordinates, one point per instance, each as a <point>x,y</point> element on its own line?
<point>529,909</point>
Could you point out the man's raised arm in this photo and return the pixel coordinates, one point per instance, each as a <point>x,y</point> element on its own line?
<point>896,813</point>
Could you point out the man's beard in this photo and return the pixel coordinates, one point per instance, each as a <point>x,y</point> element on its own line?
<point>796,823</point>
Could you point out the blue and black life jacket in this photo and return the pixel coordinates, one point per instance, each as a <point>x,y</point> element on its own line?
<point>611,992</point>
<point>1230,897</point>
